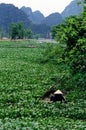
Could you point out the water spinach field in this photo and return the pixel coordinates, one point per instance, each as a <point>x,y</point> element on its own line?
<point>24,78</point>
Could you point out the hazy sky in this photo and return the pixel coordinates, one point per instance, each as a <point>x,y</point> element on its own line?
<point>45,6</point>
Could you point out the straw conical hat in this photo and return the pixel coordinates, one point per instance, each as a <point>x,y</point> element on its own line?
<point>58,92</point>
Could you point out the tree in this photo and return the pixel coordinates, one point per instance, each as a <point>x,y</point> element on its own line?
<point>72,32</point>
<point>16,31</point>
<point>28,33</point>
<point>83,2</point>
<point>2,33</point>
<point>54,31</point>
<point>20,29</point>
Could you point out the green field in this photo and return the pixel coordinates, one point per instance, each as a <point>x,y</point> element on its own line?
<point>23,80</point>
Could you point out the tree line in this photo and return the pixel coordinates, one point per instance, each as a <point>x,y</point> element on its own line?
<point>17,31</point>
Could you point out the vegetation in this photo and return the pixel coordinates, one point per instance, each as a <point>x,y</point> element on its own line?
<point>28,69</point>
<point>2,33</point>
<point>72,34</point>
<point>17,31</point>
<point>28,33</point>
<point>23,80</point>
<point>9,14</point>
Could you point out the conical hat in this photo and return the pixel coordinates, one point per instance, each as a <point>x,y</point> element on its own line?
<point>58,92</point>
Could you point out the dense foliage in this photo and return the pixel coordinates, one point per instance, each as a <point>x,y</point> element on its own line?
<point>17,31</point>
<point>72,33</point>
<point>23,80</point>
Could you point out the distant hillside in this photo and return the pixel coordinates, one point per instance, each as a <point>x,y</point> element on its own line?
<point>36,17</point>
<point>74,8</point>
<point>34,20</point>
<point>52,19</point>
<point>11,14</point>
<point>27,10</point>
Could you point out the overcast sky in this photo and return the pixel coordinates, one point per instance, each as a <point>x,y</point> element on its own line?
<point>45,6</point>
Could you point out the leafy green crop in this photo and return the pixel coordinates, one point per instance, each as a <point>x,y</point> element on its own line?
<point>23,80</point>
